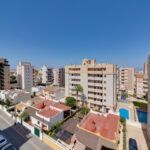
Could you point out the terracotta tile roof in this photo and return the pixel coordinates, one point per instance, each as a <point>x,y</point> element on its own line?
<point>62,106</point>
<point>44,104</point>
<point>47,103</point>
<point>101,125</point>
<point>49,113</point>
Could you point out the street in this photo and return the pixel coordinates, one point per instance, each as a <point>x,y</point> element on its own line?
<point>19,136</point>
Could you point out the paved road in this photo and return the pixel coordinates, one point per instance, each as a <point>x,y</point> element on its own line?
<point>19,136</point>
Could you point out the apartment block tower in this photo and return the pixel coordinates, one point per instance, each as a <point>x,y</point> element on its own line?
<point>127,80</point>
<point>47,75</point>
<point>4,74</point>
<point>25,76</point>
<point>148,70</point>
<point>141,85</point>
<point>98,82</point>
<point>145,67</point>
<point>59,77</point>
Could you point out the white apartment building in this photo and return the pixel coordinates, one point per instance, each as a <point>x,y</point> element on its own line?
<point>148,70</point>
<point>47,75</point>
<point>98,82</point>
<point>25,76</point>
<point>141,85</point>
<point>127,80</point>
<point>59,77</point>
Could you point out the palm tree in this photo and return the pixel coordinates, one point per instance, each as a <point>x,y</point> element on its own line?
<point>78,89</point>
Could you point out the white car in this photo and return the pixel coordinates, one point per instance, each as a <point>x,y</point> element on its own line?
<point>3,141</point>
<point>8,147</point>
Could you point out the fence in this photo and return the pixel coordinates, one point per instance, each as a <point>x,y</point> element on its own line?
<point>56,145</point>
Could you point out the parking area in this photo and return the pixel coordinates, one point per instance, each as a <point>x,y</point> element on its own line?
<point>19,136</point>
<point>139,135</point>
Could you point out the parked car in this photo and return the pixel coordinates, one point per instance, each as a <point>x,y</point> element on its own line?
<point>132,144</point>
<point>8,147</point>
<point>3,141</point>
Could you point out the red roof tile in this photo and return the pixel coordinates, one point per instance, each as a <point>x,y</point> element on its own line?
<point>62,107</point>
<point>105,126</point>
<point>49,113</point>
<point>47,103</point>
<point>44,104</point>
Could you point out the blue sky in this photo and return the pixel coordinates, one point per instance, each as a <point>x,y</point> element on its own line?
<point>60,32</point>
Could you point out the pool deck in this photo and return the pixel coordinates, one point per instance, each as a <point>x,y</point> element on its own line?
<point>140,135</point>
<point>130,107</point>
<point>135,129</point>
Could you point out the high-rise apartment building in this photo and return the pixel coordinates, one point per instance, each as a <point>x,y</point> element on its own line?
<point>4,74</point>
<point>148,70</point>
<point>145,67</point>
<point>25,76</point>
<point>59,77</point>
<point>141,85</point>
<point>127,80</point>
<point>97,80</point>
<point>47,75</point>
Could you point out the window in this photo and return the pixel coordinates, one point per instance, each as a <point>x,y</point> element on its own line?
<point>74,69</point>
<point>38,122</point>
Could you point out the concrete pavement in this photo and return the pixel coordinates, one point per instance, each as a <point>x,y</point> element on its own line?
<point>20,137</point>
<point>140,136</point>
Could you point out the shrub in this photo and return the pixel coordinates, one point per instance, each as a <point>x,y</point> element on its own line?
<point>84,111</point>
<point>123,122</point>
<point>25,116</point>
<point>70,101</point>
<point>54,129</point>
<point>140,104</point>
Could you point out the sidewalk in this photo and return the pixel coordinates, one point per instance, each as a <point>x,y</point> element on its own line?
<point>139,135</point>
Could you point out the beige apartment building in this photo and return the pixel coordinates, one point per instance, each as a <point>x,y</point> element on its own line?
<point>47,75</point>
<point>148,70</point>
<point>98,82</point>
<point>59,77</point>
<point>4,74</point>
<point>145,67</point>
<point>141,85</point>
<point>127,80</point>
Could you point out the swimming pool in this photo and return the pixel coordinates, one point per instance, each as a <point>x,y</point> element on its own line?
<point>142,116</point>
<point>124,113</point>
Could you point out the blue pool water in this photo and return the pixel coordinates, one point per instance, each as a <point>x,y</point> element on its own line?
<point>142,115</point>
<point>124,113</point>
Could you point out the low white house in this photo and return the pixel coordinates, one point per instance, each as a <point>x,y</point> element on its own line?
<point>44,119</point>
<point>53,92</point>
<point>15,96</point>
<point>37,89</point>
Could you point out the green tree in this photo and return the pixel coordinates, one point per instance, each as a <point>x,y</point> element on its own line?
<point>8,102</point>
<point>13,79</point>
<point>25,116</point>
<point>70,101</point>
<point>84,111</point>
<point>79,89</point>
<point>124,94</point>
<point>33,95</point>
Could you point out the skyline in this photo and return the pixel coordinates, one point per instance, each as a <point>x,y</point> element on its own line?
<point>57,33</point>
